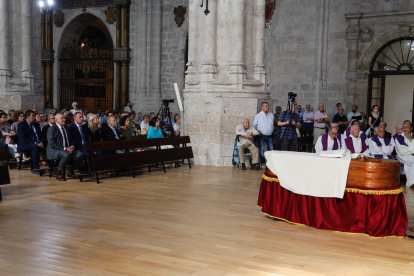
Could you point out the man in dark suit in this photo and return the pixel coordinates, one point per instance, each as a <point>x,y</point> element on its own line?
<point>110,133</point>
<point>80,135</point>
<point>60,145</point>
<point>108,114</point>
<point>51,120</point>
<point>29,138</point>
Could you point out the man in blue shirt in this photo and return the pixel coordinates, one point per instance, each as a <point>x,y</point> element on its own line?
<point>289,121</point>
<point>338,105</point>
<point>264,124</point>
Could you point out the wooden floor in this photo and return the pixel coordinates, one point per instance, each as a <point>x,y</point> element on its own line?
<point>202,221</point>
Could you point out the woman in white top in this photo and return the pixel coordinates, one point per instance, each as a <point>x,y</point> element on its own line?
<point>177,126</point>
<point>75,108</point>
<point>127,108</point>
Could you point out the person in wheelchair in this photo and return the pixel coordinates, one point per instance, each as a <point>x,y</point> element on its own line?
<point>246,133</point>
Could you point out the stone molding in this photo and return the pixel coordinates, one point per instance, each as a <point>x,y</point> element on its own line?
<point>366,35</point>
<point>48,55</point>
<point>353,33</point>
<point>404,30</point>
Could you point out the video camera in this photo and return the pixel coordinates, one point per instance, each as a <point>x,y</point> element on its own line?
<point>166,102</point>
<point>292,97</point>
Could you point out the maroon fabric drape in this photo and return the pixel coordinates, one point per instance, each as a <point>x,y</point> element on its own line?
<point>375,215</point>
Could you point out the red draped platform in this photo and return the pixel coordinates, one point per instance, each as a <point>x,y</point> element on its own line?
<point>376,212</point>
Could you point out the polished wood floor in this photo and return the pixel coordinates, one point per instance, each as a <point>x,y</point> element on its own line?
<point>202,221</point>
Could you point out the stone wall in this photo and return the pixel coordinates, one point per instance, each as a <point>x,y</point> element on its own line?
<point>308,51</point>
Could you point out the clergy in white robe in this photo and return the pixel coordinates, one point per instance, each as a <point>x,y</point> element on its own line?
<point>400,130</point>
<point>380,146</point>
<point>356,144</point>
<point>405,150</point>
<point>329,141</point>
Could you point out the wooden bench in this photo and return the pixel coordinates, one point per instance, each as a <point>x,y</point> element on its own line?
<point>124,160</point>
<point>135,159</point>
<point>4,171</point>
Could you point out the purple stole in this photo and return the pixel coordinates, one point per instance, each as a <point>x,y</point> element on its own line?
<point>379,144</point>
<point>395,136</point>
<point>350,144</point>
<point>362,135</point>
<point>348,132</point>
<point>400,139</point>
<point>325,142</point>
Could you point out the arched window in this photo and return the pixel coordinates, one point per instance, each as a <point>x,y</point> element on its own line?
<point>396,56</point>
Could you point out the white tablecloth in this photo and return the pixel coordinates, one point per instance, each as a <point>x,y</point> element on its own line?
<point>309,174</point>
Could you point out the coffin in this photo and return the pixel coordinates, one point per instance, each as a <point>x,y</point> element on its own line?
<point>371,173</point>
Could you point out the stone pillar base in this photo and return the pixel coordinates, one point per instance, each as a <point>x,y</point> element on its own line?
<point>211,122</point>
<point>22,102</point>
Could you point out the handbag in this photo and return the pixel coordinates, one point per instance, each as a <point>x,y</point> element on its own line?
<point>368,132</point>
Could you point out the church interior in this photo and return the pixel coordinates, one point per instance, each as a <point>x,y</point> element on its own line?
<point>206,137</point>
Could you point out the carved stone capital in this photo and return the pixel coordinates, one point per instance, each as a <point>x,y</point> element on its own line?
<point>404,30</point>
<point>352,33</point>
<point>122,54</point>
<point>366,35</point>
<point>48,55</point>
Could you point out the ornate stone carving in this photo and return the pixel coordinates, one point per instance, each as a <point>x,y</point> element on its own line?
<point>404,30</point>
<point>363,68</point>
<point>352,33</point>
<point>180,12</point>
<point>110,15</point>
<point>270,8</point>
<point>59,18</point>
<point>63,4</point>
<point>366,35</point>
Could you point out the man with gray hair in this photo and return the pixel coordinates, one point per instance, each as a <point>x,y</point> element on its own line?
<point>320,119</point>
<point>399,131</point>
<point>245,141</point>
<point>356,144</point>
<point>330,141</point>
<point>264,124</point>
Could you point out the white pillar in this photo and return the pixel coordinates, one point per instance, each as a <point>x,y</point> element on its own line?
<point>259,45</point>
<point>26,37</point>
<point>237,63</point>
<point>210,40</point>
<point>4,42</point>
<point>192,40</point>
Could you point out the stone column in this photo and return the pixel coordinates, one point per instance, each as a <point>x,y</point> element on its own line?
<point>47,54</point>
<point>192,40</point>
<point>118,103</point>
<point>259,42</point>
<point>353,54</point>
<point>210,41</point>
<point>26,36</point>
<point>125,83</point>
<point>4,43</point>
<point>236,70</point>
<point>155,65</point>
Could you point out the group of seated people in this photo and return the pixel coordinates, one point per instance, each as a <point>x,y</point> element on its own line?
<point>67,134</point>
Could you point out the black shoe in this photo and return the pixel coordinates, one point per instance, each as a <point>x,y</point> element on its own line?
<point>243,167</point>
<point>37,173</point>
<point>255,167</point>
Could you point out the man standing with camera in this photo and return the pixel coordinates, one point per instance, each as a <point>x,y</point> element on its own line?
<point>319,125</point>
<point>289,120</point>
<point>263,123</point>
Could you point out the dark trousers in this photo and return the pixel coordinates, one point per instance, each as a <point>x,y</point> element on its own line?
<point>289,145</point>
<point>75,158</point>
<point>85,154</point>
<point>6,149</point>
<point>268,140</point>
<point>307,133</point>
<point>34,149</point>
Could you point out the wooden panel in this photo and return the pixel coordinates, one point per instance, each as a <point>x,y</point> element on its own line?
<point>135,143</point>
<point>4,175</point>
<point>124,160</point>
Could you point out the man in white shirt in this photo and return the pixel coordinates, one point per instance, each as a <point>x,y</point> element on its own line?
<point>264,124</point>
<point>380,146</point>
<point>329,141</point>
<point>245,141</point>
<point>399,131</point>
<point>307,125</point>
<point>405,150</point>
<point>144,125</point>
<point>356,144</point>
<point>354,113</point>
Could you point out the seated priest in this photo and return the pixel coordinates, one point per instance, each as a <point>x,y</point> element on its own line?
<point>348,130</point>
<point>387,134</point>
<point>329,141</point>
<point>405,150</point>
<point>356,144</point>
<point>399,131</point>
<point>246,133</point>
<point>29,138</point>
<point>60,146</point>
<point>380,146</point>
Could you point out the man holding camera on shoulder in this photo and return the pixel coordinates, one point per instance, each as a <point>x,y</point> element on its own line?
<point>289,121</point>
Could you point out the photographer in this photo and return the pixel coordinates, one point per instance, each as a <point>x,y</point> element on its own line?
<point>289,121</point>
<point>167,124</point>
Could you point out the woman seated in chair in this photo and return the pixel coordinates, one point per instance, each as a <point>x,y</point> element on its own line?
<point>155,131</point>
<point>125,131</point>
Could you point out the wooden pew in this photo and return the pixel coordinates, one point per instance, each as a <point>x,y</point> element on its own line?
<point>134,159</point>
<point>4,171</point>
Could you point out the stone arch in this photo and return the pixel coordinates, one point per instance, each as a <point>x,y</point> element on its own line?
<point>77,24</point>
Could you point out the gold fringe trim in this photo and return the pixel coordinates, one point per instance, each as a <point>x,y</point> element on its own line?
<point>265,177</point>
<point>354,190</point>
<point>375,192</point>
<point>349,233</point>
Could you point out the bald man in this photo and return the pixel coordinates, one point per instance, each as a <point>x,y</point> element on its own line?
<point>329,141</point>
<point>246,133</point>
<point>399,130</point>
<point>405,150</point>
<point>380,146</point>
<point>356,144</point>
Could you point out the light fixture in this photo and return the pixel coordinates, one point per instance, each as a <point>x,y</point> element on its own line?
<point>50,2</point>
<point>45,8</point>
<point>206,11</point>
<point>41,4</point>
